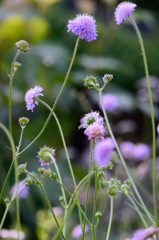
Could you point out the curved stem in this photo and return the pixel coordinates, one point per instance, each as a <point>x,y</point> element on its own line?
<point>47,201</point>
<point>20,140</point>
<point>66,151</point>
<point>95,203</point>
<point>138,211</point>
<point>123,161</point>
<point>110,218</point>
<point>152,114</point>
<point>62,190</point>
<point>88,185</point>
<point>11,76</point>
<point>16,172</point>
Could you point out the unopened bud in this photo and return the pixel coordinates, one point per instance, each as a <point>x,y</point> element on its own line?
<point>91,82</point>
<point>21,168</point>
<point>47,173</point>
<point>23,121</point>
<point>22,45</point>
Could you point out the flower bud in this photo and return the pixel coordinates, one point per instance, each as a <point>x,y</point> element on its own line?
<point>23,121</point>
<point>47,173</point>
<point>107,78</point>
<point>91,82</point>
<point>16,66</point>
<point>54,176</point>
<point>21,168</point>
<point>41,170</point>
<point>112,190</point>
<point>98,214</point>
<point>22,45</point>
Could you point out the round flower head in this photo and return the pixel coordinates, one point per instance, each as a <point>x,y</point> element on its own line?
<point>102,151</point>
<point>141,152</point>
<point>30,97</point>
<point>123,10</point>
<point>90,118</point>
<point>22,190</point>
<point>77,231</point>
<point>127,149</point>
<point>95,130</point>
<point>144,234</point>
<point>83,24</point>
<point>46,156</point>
<point>110,102</point>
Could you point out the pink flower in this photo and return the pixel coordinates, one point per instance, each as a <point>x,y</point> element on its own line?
<point>123,10</point>
<point>95,130</point>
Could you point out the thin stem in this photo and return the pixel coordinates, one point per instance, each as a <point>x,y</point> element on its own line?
<point>95,203</point>
<point>137,209</point>
<point>65,148</point>
<point>47,201</point>
<point>20,140</point>
<point>152,114</point>
<point>123,161</point>
<point>88,185</point>
<point>62,190</point>
<point>68,72</point>
<point>110,218</point>
<point>16,172</point>
<point>11,76</point>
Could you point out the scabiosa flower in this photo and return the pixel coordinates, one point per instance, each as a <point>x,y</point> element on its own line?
<point>83,24</point>
<point>90,118</point>
<point>95,130</point>
<point>110,102</point>
<point>123,10</point>
<point>30,97</point>
<point>77,232</point>
<point>22,190</point>
<point>102,151</point>
<point>127,149</point>
<point>143,234</point>
<point>141,152</point>
<point>44,156</point>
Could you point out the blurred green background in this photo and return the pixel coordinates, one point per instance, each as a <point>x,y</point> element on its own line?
<point>43,23</point>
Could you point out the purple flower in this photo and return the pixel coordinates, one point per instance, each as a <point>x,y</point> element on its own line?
<point>46,156</point>
<point>141,152</point>
<point>22,190</point>
<point>158,129</point>
<point>102,151</point>
<point>123,10</point>
<point>77,232</point>
<point>30,97</point>
<point>95,130</point>
<point>90,118</point>
<point>110,102</point>
<point>127,149</point>
<point>85,25</point>
<point>144,234</point>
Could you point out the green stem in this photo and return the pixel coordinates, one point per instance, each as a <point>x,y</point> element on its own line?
<point>11,76</point>
<point>62,190</point>
<point>152,114</point>
<point>47,201</point>
<point>123,161</point>
<point>95,203</point>
<point>68,72</point>
<point>66,151</point>
<point>137,209</point>
<point>16,172</point>
<point>88,185</point>
<point>20,140</point>
<point>110,218</point>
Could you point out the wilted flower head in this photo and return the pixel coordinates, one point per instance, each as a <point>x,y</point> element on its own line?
<point>83,24</point>
<point>144,234</point>
<point>90,118</point>
<point>123,10</point>
<point>22,190</point>
<point>110,102</point>
<point>141,152</point>
<point>46,156</point>
<point>127,149</point>
<point>95,130</point>
<point>30,97</point>
<point>102,151</point>
<point>77,232</point>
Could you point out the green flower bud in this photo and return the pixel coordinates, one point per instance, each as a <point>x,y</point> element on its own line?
<point>98,214</point>
<point>54,176</point>
<point>16,66</point>
<point>23,121</point>
<point>112,190</point>
<point>21,168</point>
<point>41,170</point>
<point>91,82</point>
<point>47,173</point>
<point>22,45</point>
<point>107,78</point>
